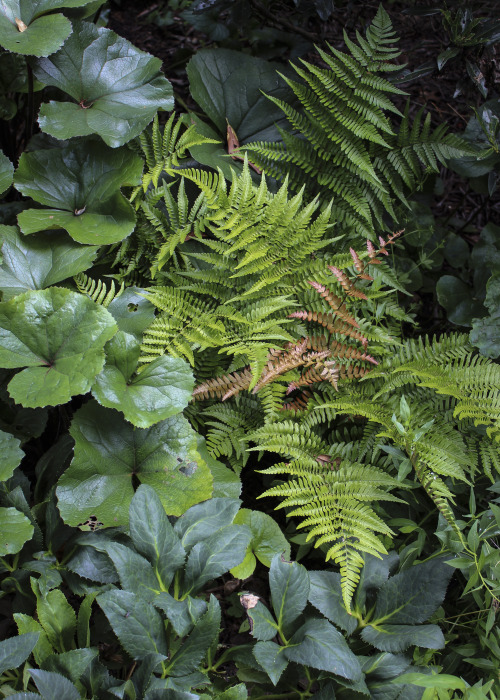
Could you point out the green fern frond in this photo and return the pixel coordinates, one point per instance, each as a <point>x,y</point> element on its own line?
<point>97,290</point>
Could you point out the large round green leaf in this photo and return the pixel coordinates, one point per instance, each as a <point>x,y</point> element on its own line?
<point>38,261</point>
<point>112,457</point>
<point>16,529</point>
<point>267,541</point>
<point>11,455</point>
<point>26,26</point>
<point>81,184</point>
<point>161,390</point>
<point>59,336</point>
<point>458,299</point>
<point>116,87</point>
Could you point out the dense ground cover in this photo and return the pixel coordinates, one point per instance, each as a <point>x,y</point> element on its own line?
<point>249,331</point>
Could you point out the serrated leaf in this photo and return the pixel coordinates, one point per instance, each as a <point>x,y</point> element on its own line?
<point>43,647</point>
<point>136,573</point>
<point>182,614</point>
<point>57,618</point>
<point>289,584</point>
<point>58,335</point>
<point>318,644</point>
<point>110,453</point>
<point>39,261</point>
<point>15,650</point>
<point>71,664</point>
<point>6,167</point>
<point>263,626</point>
<point>153,535</point>
<point>326,595</point>
<point>397,638</point>
<point>137,624</point>
<point>11,455</point>
<point>162,389</point>
<point>53,686</point>
<point>116,87</point>
<point>202,520</point>
<point>16,529</point>
<point>92,564</point>
<point>195,646</point>
<point>270,656</point>
<point>214,556</point>
<point>80,183</point>
<point>267,541</point>
<point>413,595</point>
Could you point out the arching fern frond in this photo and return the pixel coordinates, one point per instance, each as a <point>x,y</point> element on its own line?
<point>97,290</point>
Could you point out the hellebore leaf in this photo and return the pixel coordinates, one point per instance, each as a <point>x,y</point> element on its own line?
<point>112,457</point>
<point>116,87</point>
<point>81,185</point>
<point>16,529</point>
<point>6,172</point>
<point>58,336</point>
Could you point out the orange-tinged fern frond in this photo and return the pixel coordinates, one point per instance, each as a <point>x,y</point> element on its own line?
<point>334,302</point>
<point>328,372</point>
<point>349,288</point>
<point>223,387</point>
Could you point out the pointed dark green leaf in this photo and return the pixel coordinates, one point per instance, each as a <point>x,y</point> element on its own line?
<point>194,648</point>
<point>182,614</point>
<point>162,389</point>
<point>202,520</point>
<point>267,541</point>
<point>80,183</point>
<point>153,535</point>
<point>58,335</point>
<point>318,644</point>
<point>270,656</point>
<point>326,595</point>
<point>137,624</point>
<point>289,584</point>
<point>6,169</point>
<point>94,565</point>
<point>110,453</point>
<point>39,261</point>
<point>16,529</point>
<point>136,573</point>
<point>43,647</point>
<point>15,650</point>
<point>263,625</point>
<point>116,87</point>
<point>53,686</point>
<point>215,556</point>
<point>413,595</point>
<point>397,638</point>
<point>71,664</point>
<point>11,455</point>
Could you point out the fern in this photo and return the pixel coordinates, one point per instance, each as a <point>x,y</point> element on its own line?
<point>343,143</point>
<point>97,290</point>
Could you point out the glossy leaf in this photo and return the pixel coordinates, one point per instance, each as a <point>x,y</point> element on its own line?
<point>201,521</point>
<point>485,333</point>
<point>289,584</point>
<point>153,535</point>
<point>262,624</point>
<point>162,389</point>
<point>132,312</point>
<point>137,624</point>
<point>15,650</point>
<point>318,644</point>
<point>11,455</point>
<point>16,529</point>
<point>71,664</point>
<point>80,183</point>
<point>227,483</point>
<point>34,33</point>
<point>39,261</point>
<point>58,335</point>
<point>182,614</point>
<point>267,540</point>
<point>215,556</point>
<point>43,647</point>
<point>136,573</point>
<point>57,618</point>
<point>110,453</point>
<point>6,171</point>
<point>459,300</point>
<point>397,638</point>
<point>116,87</point>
